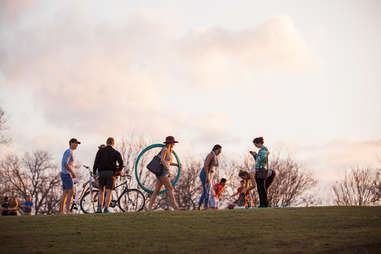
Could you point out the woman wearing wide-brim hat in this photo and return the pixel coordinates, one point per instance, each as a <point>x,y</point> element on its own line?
<point>166,157</point>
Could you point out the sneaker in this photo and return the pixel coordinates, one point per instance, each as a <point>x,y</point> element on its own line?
<point>99,210</point>
<point>106,211</point>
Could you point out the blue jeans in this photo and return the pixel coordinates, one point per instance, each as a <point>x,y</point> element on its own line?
<point>205,189</point>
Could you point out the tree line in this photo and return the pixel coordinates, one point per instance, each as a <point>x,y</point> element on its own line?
<point>35,173</point>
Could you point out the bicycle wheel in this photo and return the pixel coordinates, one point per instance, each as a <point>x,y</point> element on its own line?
<point>131,200</point>
<point>89,203</point>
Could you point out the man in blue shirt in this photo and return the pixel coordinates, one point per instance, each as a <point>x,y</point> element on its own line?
<point>68,174</point>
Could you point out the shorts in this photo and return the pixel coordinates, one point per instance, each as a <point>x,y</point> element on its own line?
<point>164,174</point>
<point>106,179</point>
<point>67,181</point>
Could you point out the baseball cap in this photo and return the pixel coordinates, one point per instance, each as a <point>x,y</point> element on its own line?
<point>74,140</point>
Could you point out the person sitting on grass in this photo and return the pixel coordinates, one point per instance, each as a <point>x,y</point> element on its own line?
<point>216,192</point>
<point>4,207</point>
<point>13,206</point>
<point>245,198</point>
<point>27,206</point>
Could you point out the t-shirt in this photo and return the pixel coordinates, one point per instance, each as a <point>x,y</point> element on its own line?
<point>28,206</point>
<point>218,188</point>
<point>261,158</point>
<point>67,158</point>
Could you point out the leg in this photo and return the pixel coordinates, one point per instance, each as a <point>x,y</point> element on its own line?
<point>107,198</point>
<point>261,192</point>
<point>110,181</point>
<point>165,180</point>
<point>63,202</point>
<point>202,198</point>
<point>154,194</point>
<point>68,203</point>
<point>101,197</point>
<point>207,193</point>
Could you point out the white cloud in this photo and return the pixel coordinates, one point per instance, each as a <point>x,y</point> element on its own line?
<point>89,76</point>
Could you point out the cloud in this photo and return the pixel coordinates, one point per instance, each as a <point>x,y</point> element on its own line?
<point>10,11</point>
<point>275,45</point>
<point>89,75</point>
<point>329,161</point>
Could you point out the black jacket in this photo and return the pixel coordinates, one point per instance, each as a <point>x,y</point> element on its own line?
<point>106,160</point>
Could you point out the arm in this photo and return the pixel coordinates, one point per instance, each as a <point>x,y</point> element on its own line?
<point>206,167</point>
<point>235,194</point>
<point>69,167</point>
<point>163,161</point>
<point>96,162</point>
<point>120,161</point>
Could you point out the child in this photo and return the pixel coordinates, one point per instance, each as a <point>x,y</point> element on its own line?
<point>216,192</point>
<point>27,206</point>
<point>244,199</point>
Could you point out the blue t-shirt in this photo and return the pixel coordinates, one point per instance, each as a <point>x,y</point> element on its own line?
<point>67,158</point>
<point>27,209</point>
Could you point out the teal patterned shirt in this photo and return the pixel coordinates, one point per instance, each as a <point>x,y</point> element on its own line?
<point>260,158</point>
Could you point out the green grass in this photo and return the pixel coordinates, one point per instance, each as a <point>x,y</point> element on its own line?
<point>287,230</point>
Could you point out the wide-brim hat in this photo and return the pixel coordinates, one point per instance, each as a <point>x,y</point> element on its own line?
<point>170,139</point>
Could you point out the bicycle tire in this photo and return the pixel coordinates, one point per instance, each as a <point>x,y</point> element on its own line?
<point>94,202</point>
<point>133,197</point>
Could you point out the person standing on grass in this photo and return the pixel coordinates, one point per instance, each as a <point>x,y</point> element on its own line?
<point>216,193</point>
<point>261,174</point>
<point>166,157</point>
<point>27,206</point>
<point>68,175</point>
<point>109,162</point>
<point>210,164</point>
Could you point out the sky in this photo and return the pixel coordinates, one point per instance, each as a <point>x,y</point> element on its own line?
<point>305,75</point>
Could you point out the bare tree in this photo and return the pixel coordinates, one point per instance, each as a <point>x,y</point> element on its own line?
<point>34,175</point>
<point>359,187</point>
<point>188,188</point>
<point>292,184</point>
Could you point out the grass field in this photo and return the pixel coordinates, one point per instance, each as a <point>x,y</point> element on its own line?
<point>271,230</point>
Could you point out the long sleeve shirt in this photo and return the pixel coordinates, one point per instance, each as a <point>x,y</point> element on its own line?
<point>107,159</point>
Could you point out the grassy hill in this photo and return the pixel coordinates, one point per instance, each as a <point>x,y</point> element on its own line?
<point>271,230</point>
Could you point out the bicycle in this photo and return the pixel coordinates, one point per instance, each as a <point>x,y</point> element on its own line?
<point>128,200</point>
<point>87,186</point>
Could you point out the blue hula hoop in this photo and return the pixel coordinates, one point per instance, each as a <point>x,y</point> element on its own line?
<point>137,163</point>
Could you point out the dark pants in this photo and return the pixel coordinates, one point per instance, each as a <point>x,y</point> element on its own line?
<point>262,186</point>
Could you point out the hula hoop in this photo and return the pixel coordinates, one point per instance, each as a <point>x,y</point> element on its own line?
<point>137,163</point>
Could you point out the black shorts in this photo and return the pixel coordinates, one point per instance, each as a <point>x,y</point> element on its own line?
<point>106,179</point>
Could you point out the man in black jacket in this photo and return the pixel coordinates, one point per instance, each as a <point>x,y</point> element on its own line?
<point>109,162</point>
